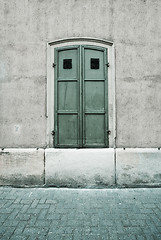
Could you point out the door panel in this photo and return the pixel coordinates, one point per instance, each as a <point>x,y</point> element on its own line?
<point>93,64</point>
<point>94,129</point>
<point>94,96</point>
<point>68,64</point>
<point>67,129</point>
<point>67,96</point>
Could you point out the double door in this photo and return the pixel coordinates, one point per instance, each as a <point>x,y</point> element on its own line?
<point>81,97</point>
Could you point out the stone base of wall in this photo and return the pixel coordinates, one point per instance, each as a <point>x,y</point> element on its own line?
<point>86,168</point>
<point>79,167</point>
<point>135,167</point>
<point>19,167</point>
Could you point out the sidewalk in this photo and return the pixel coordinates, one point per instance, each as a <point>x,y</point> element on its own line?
<point>74,214</point>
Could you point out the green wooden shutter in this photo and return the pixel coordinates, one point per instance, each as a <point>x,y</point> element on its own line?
<point>94,97</point>
<point>81,97</point>
<point>67,97</point>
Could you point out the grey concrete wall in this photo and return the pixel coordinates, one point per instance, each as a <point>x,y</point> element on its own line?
<point>25,28</point>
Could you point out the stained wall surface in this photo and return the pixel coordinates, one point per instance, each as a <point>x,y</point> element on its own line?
<point>25,28</point>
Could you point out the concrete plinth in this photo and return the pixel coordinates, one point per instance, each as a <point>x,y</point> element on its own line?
<point>86,168</point>
<point>138,167</point>
<point>79,167</point>
<point>21,167</point>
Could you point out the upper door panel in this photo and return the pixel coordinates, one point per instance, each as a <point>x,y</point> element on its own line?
<point>93,64</point>
<point>68,64</point>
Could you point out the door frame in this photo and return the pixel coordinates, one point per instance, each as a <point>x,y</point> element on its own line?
<point>111,83</point>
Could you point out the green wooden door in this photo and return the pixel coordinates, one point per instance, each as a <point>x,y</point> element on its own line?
<point>94,97</point>
<point>81,97</point>
<point>67,76</point>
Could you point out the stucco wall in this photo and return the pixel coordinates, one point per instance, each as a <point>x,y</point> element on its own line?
<point>25,28</point>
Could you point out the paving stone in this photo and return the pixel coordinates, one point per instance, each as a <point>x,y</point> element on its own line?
<point>10,223</point>
<point>18,237</point>
<point>5,210</point>
<point>138,222</point>
<point>22,216</point>
<point>8,232</point>
<point>53,216</point>
<point>157,236</point>
<point>19,229</point>
<point>34,203</point>
<point>42,223</point>
<point>42,214</point>
<point>140,237</point>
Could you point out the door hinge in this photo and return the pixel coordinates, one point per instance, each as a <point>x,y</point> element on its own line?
<point>53,65</point>
<point>53,133</point>
<point>108,132</point>
<point>107,64</point>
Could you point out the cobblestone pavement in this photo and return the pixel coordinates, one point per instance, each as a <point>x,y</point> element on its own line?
<point>49,213</point>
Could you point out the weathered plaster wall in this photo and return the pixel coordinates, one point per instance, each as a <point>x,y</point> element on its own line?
<point>137,34</point>
<point>25,28</point>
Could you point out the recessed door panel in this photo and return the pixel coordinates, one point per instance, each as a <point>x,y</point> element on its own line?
<point>68,64</point>
<point>94,130</point>
<point>67,96</point>
<point>94,96</point>
<point>93,64</point>
<point>67,129</point>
